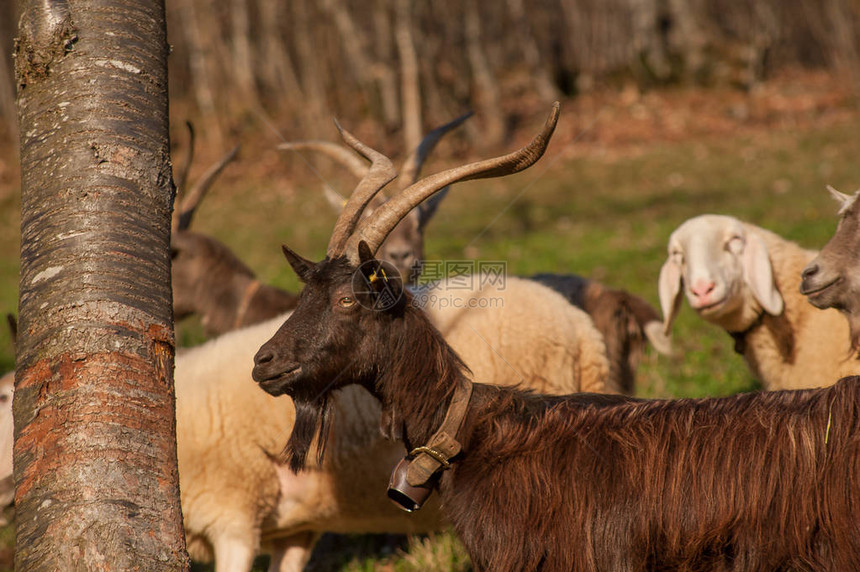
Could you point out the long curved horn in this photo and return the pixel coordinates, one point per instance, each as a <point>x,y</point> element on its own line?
<point>191,199</point>
<point>375,228</point>
<point>339,153</point>
<point>381,173</point>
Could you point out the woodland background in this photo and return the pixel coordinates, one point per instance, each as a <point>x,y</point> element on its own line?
<point>378,61</point>
<point>670,108</point>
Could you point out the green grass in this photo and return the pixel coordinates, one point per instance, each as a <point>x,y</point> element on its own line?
<point>606,217</point>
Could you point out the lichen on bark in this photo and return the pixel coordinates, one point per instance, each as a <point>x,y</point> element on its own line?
<point>46,34</point>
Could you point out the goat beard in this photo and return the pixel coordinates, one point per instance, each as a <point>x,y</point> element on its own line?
<point>312,421</point>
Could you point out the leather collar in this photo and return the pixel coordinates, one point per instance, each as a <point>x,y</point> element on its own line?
<point>442,445</point>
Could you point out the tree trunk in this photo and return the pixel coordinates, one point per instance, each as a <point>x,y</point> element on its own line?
<point>279,73</point>
<point>384,72</point>
<point>243,70</point>
<point>95,447</point>
<point>531,54</point>
<point>353,46</point>
<point>315,117</point>
<point>200,66</point>
<point>410,89</point>
<point>486,90</point>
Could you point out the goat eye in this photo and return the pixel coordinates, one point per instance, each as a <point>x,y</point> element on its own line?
<point>346,302</point>
<point>677,256</point>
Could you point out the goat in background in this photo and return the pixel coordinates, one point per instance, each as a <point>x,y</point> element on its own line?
<point>832,279</point>
<point>404,246</point>
<point>755,482</point>
<point>208,279</point>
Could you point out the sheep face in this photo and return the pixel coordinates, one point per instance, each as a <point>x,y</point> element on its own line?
<point>332,339</point>
<point>722,269</point>
<point>832,280</point>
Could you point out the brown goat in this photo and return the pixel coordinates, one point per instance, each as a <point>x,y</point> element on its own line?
<point>832,279</point>
<point>627,323</point>
<point>755,482</point>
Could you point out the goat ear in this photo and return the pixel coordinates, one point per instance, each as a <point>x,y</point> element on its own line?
<point>669,290</point>
<point>301,266</point>
<point>428,208</point>
<point>758,274</point>
<point>380,279</point>
<point>365,256</point>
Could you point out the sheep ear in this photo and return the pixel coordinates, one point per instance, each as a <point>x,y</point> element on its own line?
<point>301,266</point>
<point>669,289</point>
<point>758,274</point>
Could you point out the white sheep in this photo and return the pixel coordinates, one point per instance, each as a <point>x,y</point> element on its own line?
<point>507,327</point>
<point>746,280</point>
<point>237,498</point>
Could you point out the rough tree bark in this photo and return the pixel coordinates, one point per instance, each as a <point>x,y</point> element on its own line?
<point>95,452</point>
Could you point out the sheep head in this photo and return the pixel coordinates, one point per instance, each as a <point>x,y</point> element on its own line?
<point>723,269</point>
<point>350,318</point>
<point>831,279</point>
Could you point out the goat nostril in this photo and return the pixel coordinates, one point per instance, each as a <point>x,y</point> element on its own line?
<point>263,357</point>
<point>810,271</point>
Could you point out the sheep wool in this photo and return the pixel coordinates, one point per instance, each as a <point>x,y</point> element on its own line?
<point>518,332</point>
